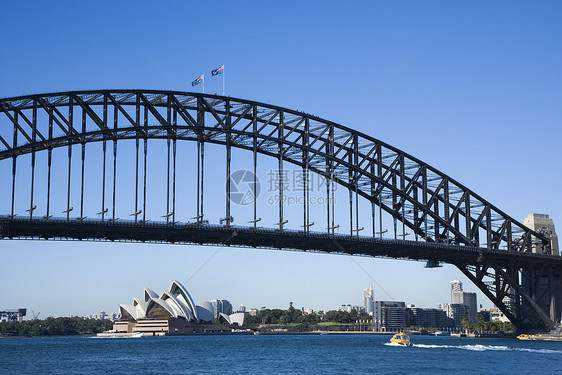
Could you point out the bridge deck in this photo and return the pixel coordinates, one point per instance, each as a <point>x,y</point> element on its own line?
<point>204,234</point>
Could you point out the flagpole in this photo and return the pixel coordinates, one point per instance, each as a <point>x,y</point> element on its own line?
<point>203,83</point>
<point>223,74</point>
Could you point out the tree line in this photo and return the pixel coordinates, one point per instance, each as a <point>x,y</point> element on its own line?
<point>55,327</point>
<point>297,321</point>
<point>487,327</point>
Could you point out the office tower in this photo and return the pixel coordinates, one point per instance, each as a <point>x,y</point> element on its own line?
<point>456,291</point>
<point>469,299</point>
<point>369,300</point>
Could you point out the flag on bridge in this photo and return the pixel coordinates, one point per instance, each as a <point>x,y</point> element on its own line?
<point>198,80</point>
<point>217,71</point>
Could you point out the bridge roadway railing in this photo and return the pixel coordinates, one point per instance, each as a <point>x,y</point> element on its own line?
<point>269,238</point>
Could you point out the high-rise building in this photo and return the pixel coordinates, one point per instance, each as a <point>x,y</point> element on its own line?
<point>456,291</point>
<point>543,224</point>
<point>458,297</point>
<point>469,299</point>
<point>221,306</point>
<point>369,300</point>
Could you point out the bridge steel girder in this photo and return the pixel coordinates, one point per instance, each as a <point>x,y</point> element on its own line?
<point>430,203</point>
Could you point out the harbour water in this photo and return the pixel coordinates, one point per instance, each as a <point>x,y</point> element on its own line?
<point>283,354</point>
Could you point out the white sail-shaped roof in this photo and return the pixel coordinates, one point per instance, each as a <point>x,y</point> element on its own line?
<point>205,312</point>
<point>149,293</point>
<point>128,312</point>
<point>179,291</point>
<point>223,318</point>
<point>173,301</point>
<point>140,307</point>
<point>237,318</point>
<point>159,309</point>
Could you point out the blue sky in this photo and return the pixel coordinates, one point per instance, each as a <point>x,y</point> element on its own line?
<point>478,97</point>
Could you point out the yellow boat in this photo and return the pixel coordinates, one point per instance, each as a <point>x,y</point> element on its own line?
<point>524,337</point>
<point>402,339</point>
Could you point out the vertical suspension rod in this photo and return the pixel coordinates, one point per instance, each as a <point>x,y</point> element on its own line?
<point>198,217</point>
<point>168,135</point>
<point>174,141</point>
<point>14,164</point>
<point>332,188</point>
<point>350,192</point>
<point>228,160</point>
<point>424,201</point>
<point>202,179</point>
<point>145,144</point>
<point>115,116</point>
<point>394,220</point>
<point>137,122</point>
<point>280,169</point>
<point>201,123</point>
<point>328,172</point>
<point>83,162</point>
<point>373,205</point>
<point>70,117</point>
<point>305,142</point>
<point>49,162</point>
<point>104,150</point>
<point>355,163</point>
<point>255,160</point>
<point>402,188</point>
<point>168,179</point>
<point>34,138</point>
<point>380,190</point>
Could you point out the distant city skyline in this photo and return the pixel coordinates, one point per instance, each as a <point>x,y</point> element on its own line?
<point>472,89</point>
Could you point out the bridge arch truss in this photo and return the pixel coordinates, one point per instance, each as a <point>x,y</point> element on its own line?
<point>435,207</point>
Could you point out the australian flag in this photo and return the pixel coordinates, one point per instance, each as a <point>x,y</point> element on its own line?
<point>198,80</point>
<point>217,71</point>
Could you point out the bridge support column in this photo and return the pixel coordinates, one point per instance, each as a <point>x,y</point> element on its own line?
<point>529,310</point>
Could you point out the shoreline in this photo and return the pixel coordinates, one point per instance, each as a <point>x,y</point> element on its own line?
<point>271,333</point>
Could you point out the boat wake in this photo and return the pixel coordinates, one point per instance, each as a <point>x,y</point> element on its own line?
<point>393,344</point>
<point>481,348</point>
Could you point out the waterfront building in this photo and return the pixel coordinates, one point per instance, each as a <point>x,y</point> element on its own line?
<point>348,308</point>
<point>242,308</point>
<point>253,311</point>
<point>173,312</point>
<point>369,300</point>
<point>426,317</point>
<point>543,224</point>
<point>391,316</point>
<point>457,312</point>
<point>486,316</point>
<point>497,316</point>
<point>13,315</point>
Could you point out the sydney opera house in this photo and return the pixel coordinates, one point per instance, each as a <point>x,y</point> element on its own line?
<point>173,312</point>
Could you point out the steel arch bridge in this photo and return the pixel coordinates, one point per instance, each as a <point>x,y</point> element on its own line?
<point>511,264</point>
